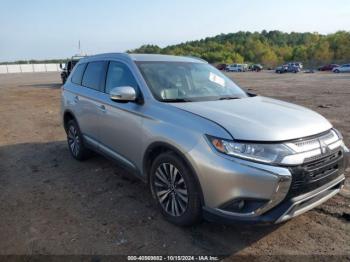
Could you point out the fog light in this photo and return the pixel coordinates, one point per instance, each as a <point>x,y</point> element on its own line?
<point>235,206</point>
<point>243,205</point>
<point>240,204</point>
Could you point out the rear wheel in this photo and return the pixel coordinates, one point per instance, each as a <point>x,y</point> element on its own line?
<point>175,190</point>
<point>75,141</point>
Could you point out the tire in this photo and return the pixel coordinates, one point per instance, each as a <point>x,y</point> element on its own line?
<point>75,141</point>
<point>175,190</point>
<point>64,78</point>
<point>336,71</point>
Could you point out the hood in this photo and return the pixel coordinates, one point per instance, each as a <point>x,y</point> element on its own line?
<point>260,118</point>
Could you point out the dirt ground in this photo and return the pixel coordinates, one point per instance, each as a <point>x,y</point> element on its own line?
<point>52,204</point>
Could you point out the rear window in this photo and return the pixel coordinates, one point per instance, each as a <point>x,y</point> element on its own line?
<point>78,74</point>
<point>94,75</point>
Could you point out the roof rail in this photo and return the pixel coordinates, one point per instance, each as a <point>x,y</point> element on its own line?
<point>197,58</point>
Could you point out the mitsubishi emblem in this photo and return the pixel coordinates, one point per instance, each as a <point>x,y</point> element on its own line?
<point>324,147</point>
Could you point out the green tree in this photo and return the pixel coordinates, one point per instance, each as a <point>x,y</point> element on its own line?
<point>237,58</point>
<point>300,53</point>
<point>269,48</point>
<point>269,58</point>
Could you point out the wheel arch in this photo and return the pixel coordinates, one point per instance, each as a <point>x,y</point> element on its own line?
<point>67,116</point>
<point>157,148</point>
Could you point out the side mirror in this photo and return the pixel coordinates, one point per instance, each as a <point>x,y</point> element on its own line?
<point>251,93</point>
<point>123,94</point>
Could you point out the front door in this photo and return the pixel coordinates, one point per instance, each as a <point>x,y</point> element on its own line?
<point>121,123</point>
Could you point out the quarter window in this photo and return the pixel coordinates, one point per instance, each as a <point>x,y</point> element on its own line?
<point>78,74</point>
<point>119,75</point>
<point>94,75</point>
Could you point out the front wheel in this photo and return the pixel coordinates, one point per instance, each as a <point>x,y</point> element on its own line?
<point>175,190</point>
<point>336,71</point>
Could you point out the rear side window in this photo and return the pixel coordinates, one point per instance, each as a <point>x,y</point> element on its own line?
<point>119,75</point>
<point>94,75</point>
<point>78,74</point>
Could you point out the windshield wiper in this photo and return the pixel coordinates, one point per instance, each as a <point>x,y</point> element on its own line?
<point>176,100</point>
<point>228,97</point>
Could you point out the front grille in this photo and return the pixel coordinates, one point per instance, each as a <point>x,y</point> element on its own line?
<point>316,173</point>
<point>321,158</point>
<point>315,142</point>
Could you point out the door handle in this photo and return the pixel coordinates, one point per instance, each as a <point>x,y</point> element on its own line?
<point>102,108</point>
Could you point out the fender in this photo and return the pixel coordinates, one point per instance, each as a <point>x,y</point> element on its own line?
<point>178,152</point>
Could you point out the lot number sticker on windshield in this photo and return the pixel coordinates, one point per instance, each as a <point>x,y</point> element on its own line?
<point>216,79</point>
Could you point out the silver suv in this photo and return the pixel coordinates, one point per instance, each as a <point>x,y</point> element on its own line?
<point>205,147</point>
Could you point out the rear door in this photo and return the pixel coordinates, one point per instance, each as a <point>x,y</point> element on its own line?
<point>88,99</point>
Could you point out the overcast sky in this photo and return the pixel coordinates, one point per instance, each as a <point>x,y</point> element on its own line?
<point>41,29</point>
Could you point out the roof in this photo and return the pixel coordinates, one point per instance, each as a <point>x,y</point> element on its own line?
<point>149,57</point>
<point>165,58</point>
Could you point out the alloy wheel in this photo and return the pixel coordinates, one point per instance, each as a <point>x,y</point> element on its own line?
<point>73,140</point>
<point>170,189</point>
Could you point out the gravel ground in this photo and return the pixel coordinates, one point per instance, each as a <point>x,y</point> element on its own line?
<point>52,204</point>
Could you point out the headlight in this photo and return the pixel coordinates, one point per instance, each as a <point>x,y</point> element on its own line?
<point>346,149</point>
<point>287,153</point>
<point>266,153</point>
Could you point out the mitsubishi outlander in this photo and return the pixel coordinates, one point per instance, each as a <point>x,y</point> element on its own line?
<point>206,148</point>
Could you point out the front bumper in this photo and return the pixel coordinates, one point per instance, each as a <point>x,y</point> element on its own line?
<point>287,191</point>
<point>285,210</point>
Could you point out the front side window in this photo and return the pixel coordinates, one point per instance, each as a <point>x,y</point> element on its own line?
<point>119,75</point>
<point>94,75</point>
<point>186,81</point>
<point>78,74</point>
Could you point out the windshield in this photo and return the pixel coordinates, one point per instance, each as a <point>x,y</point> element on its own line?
<point>186,82</point>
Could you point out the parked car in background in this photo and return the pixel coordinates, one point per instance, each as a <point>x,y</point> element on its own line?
<point>342,69</point>
<point>287,68</point>
<point>68,67</point>
<point>204,146</point>
<point>281,69</point>
<point>328,67</point>
<point>296,64</point>
<point>256,67</point>
<point>221,66</point>
<point>237,68</point>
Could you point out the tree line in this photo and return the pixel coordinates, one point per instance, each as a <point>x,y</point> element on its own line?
<point>268,48</point>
